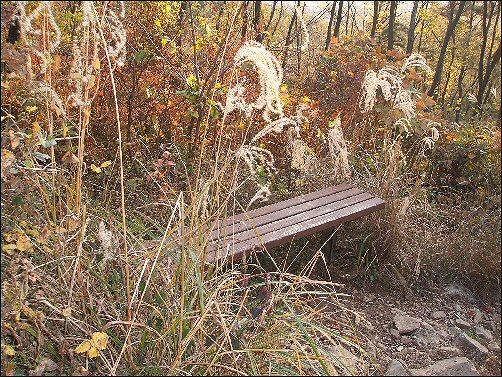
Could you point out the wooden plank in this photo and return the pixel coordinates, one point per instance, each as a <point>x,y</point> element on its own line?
<point>281,205</point>
<point>297,230</point>
<point>298,218</point>
<point>266,218</point>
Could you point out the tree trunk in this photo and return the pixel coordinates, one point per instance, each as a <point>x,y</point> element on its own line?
<point>272,12</point>
<point>331,18</point>
<point>244,29</point>
<point>375,19</point>
<point>338,20</point>
<point>288,38</point>
<point>256,21</point>
<point>484,77</point>
<point>411,29</point>
<point>452,23</point>
<point>392,21</point>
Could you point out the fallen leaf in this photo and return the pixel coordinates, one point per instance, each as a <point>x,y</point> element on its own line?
<point>92,353</point>
<point>106,164</point>
<point>23,243</point>
<point>100,340</point>
<point>83,347</point>
<point>9,350</point>
<point>66,311</point>
<point>95,169</point>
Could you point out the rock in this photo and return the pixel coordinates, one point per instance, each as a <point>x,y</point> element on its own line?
<point>471,347</point>
<point>458,308</point>
<point>369,298</point>
<point>462,324</point>
<point>483,333</point>
<point>396,311</point>
<point>475,314</point>
<point>444,334</point>
<point>400,348</point>
<point>395,333</point>
<point>406,340</point>
<point>405,324</point>
<point>427,326</point>
<point>457,290</point>
<point>346,358</point>
<point>455,366</point>
<point>438,314</point>
<point>454,331</point>
<point>395,368</point>
<point>426,338</point>
<point>448,351</point>
<point>494,347</point>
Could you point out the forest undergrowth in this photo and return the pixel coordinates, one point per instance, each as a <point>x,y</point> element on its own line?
<point>129,129</point>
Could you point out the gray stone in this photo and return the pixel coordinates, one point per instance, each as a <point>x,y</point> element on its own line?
<point>448,351</point>
<point>427,326</point>
<point>444,334</point>
<point>405,324</point>
<point>462,324</point>
<point>458,308</point>
<point>494,347</point>
<point>438,314</point>
<point>457,290</point>
<point>369,298</point>
<point>347,359</point>
<point>396,311</point>
<point>471,347</point>
<point>426,338</point>
<point>455,366</point>
<point>476,315</point>
<point>395,333</point>
<point>406,339</point>
<point>483,333</point>
<point>395,368</point>
<point>454,331</point>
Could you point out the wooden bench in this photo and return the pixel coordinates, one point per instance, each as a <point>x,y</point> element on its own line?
<point>279,223</point>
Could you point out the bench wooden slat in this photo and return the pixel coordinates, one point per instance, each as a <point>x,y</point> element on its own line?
<point>298,206</point>
<point>280,205</point>
<point>298,218</point>
<point>279,236</point>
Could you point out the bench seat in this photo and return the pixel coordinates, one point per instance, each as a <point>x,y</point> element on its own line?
<point>279,223</point>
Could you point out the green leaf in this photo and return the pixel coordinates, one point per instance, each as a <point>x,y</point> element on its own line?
<point>29,164</point>
<point>49,142</point>
<point>17,200</point>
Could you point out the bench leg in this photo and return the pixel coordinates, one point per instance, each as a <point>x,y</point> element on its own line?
<point>329,248</point>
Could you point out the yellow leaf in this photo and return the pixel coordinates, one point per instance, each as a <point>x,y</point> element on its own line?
<point>97,64</point>
<point>306,99</point>
<point>106,164</point>
<point>100,339</point>
<point>75,76</point>
<point>157,23</point>
<point>23,243</point>
<point>95,169</point>
<point>471,155</point>
<point>83,347</point>
<point>65,130</point>
<point>8,248</point>
<point>92,353</point>
<point>191,80</point>
<point>66,311</point>
<point>36,129</point>
<point>31,109</point>
<point>9,350</point>
<point>92,82</point>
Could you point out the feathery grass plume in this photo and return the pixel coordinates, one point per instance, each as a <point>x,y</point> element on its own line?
<point>270,78</point>
<point>118,36</point>
<point>404,125</point>
<point>83,66</point>
<point>338,149</point>
<point>33,36</point>
<point>405,103</point>
<point>298,154</point>
<point>107,240</point>
<point>417,61</point>
<point>49,94</point>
